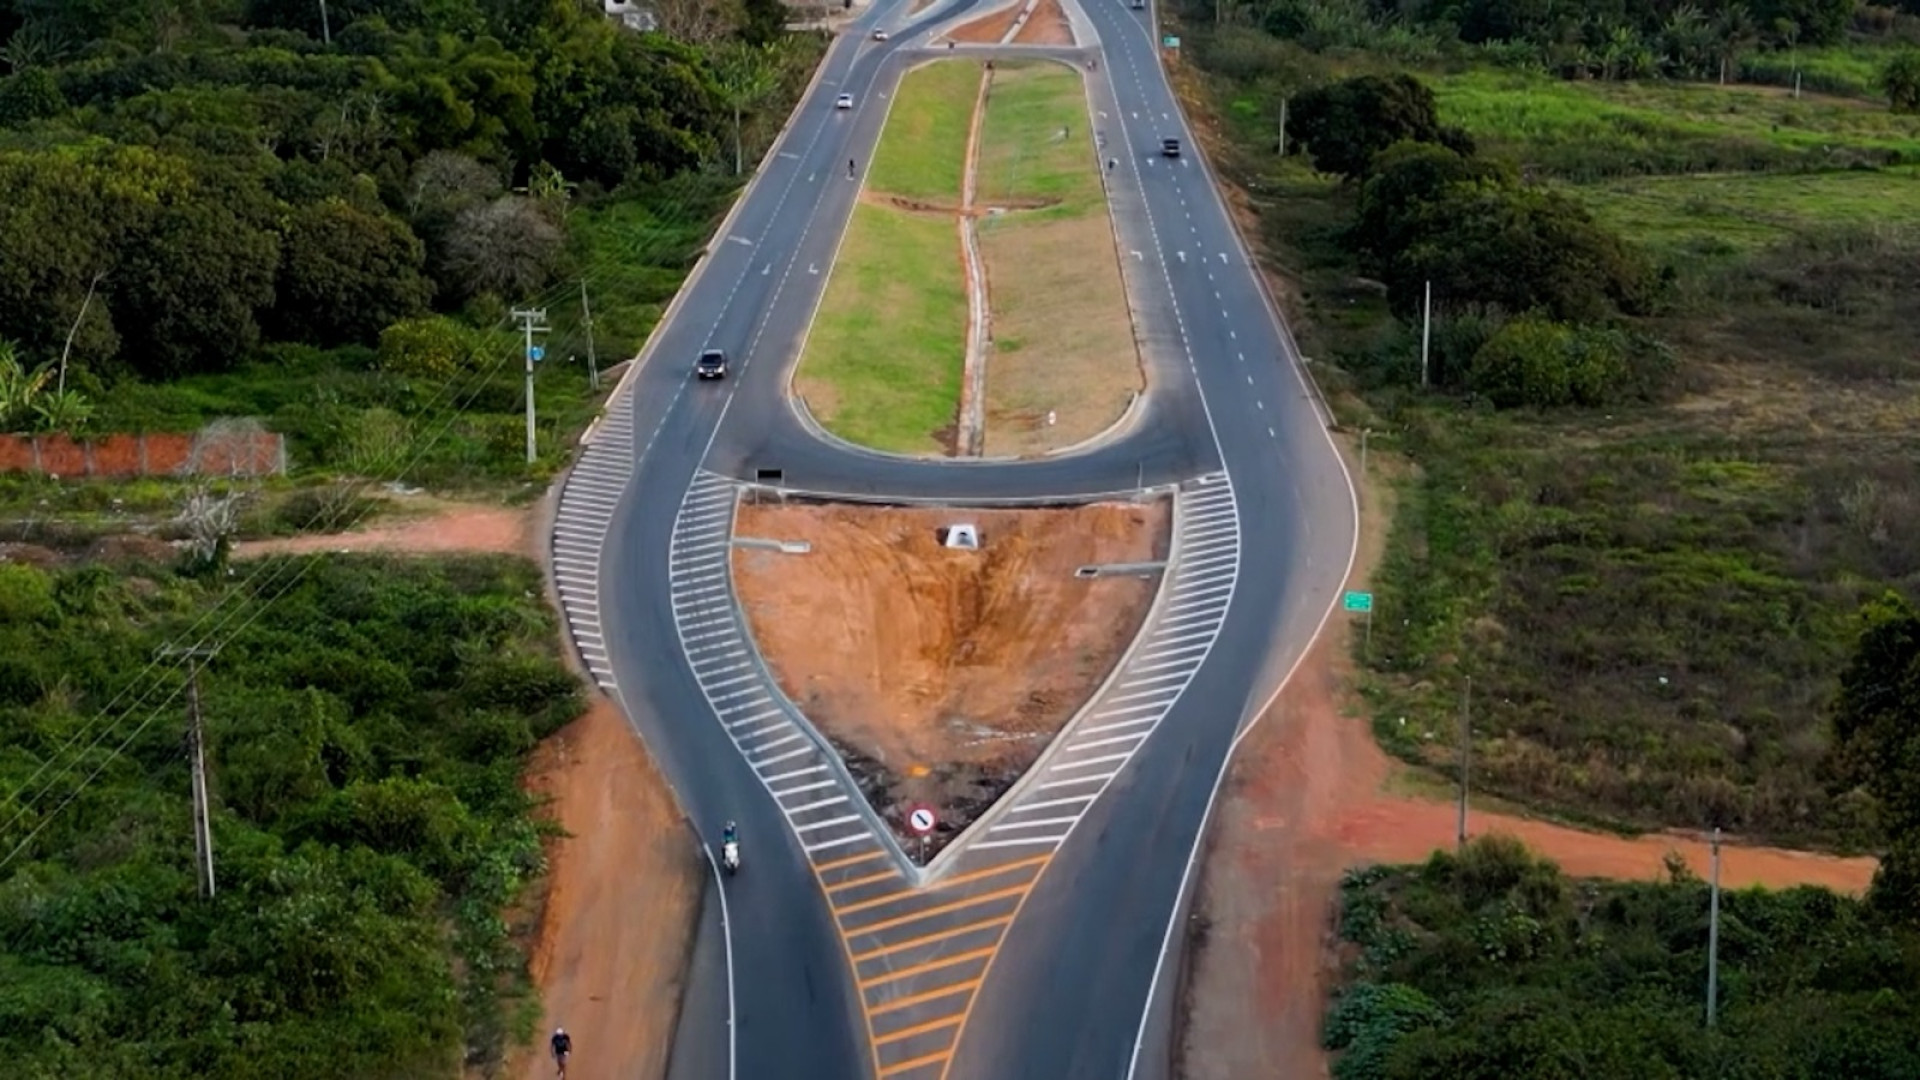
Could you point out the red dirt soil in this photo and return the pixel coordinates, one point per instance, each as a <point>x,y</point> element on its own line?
<point>1046,26</point>
<point>1304,802</point>
<point>947,671</point>
<point>988,29</point>
<point>501,529</point>
<point>614,930</point>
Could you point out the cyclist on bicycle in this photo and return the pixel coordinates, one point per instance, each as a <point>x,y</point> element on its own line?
<point>562,1044</point>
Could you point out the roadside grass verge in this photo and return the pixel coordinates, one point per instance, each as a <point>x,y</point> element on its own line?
<point>922,154</point>
<point>1653,600</point>
<point>1063,344</point>
<point>883,361</point>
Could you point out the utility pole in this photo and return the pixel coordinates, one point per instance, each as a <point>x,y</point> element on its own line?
<point>326,29</point>
<point>593,362</point>
<point>1713,933</point>
<point>1466,752</point>
<point>1283,126</point>
<point>197,761</point>
<point>528,318</point>
<point>1426,334</point>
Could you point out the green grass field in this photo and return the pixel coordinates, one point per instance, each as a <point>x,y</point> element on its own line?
<point>923,152</point>
<point>1036,144</point>
<point>1726,215</point>
<point>883,361</point>
<point>1589,130</point>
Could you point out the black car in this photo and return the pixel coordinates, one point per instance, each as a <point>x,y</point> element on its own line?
<point>711,365</point>
<point>1170,147</point>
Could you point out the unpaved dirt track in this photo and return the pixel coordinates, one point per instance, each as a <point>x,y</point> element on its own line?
<point>501,529</point>
<point>610,950</point>
<point>947,670</point>
<point>1304,802</point>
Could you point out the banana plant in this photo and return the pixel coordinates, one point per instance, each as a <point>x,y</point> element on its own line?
<point>19,388</point>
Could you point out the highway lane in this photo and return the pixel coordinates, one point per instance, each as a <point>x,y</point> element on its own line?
<point>792,993</point>
<point>1067,995</point>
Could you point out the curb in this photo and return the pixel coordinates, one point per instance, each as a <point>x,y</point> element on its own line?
<point>1003,805</point>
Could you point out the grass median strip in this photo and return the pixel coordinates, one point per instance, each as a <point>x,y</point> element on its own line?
<point>923,152</point>
<point>882,364</point>
<point>1063,363</point>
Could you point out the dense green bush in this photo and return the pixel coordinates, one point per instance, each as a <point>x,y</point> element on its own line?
<point>366,728</point>
<point>1534,361</point>
<point>1504,969</point>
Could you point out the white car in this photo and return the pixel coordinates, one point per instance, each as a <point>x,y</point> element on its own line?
<point>879,35</point>
<point>844,101</point>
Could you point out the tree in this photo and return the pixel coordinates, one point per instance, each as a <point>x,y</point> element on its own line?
<point>1407,178</point>
<point>697,22</point>
<point>1343,125</point>
<point>1515,249</point>
<point>748,74</point>
<point>506,247</point>
<point>1876,743</point>
<point>28,95</point>
<point>345,274</point>
<point>1900,78</point>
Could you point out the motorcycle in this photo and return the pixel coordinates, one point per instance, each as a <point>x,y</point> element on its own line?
<point>730,857</point>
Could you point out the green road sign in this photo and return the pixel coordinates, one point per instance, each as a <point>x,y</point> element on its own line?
<point>1359,601</point>
<point>1169,42</point>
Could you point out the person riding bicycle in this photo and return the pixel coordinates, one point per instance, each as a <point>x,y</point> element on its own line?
<point>562,1048</point>
<point>849,168</point>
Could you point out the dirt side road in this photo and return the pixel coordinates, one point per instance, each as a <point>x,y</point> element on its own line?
<point>455,528</point>
<point>945,672</point>
<point>610,948</point>
<point>1305,801</point>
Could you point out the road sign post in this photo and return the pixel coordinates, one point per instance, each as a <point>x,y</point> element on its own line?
<point>1362,601</point>
<point>921,820</point>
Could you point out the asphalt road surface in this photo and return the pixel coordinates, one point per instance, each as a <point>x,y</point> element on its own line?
<point>1082,988</point>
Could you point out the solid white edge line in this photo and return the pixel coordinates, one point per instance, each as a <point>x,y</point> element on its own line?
<point>1353,551</point>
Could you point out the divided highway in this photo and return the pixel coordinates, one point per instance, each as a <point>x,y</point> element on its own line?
<point>1083,988</point>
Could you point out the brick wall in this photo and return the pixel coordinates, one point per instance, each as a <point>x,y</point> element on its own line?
<point>207,453</point>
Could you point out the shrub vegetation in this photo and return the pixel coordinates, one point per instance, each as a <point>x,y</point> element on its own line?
<point>367,722</point>
<point>1668,447</point>
<point>1493,964</point>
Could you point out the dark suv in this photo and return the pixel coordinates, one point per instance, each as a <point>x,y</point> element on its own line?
<point>1170,147</point>
<point>711,365</point>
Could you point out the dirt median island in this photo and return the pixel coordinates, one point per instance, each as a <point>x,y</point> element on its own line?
<point>1047,25</point>
<point>940,673</point>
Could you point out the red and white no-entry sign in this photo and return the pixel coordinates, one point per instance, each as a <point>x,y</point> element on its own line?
<point>921,820</point>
